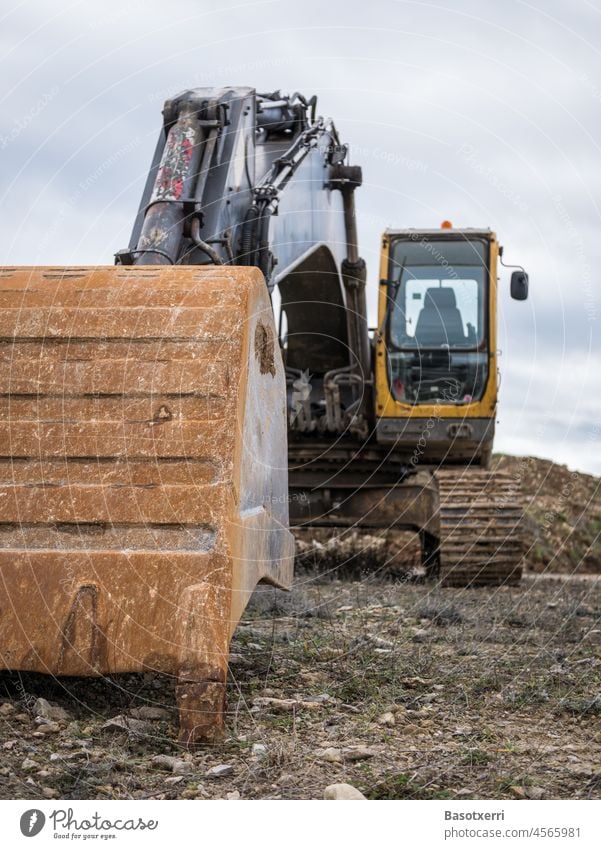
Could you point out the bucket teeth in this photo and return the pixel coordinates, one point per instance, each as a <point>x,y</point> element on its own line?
<point>143,475</point>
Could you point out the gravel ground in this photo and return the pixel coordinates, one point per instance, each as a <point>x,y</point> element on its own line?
<point>402,690</point>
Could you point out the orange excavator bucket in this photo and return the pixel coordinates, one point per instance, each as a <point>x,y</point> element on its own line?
<point>144,472</point>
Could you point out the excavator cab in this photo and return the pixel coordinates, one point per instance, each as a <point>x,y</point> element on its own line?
<point>436,352</point>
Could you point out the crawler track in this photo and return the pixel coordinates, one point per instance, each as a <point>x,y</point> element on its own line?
<point>482,537</point>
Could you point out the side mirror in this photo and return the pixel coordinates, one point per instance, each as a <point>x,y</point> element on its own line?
<point>519,285</point>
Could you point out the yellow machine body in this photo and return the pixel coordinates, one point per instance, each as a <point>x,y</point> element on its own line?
<point>453,431</point>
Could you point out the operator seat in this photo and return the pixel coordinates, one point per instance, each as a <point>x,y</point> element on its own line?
<point>439,321</point>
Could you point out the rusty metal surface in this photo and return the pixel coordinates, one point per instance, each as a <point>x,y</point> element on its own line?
<point>143,490</point>
<point>482,534</point>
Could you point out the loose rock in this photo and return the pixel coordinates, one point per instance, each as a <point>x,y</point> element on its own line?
<point>330,755</point>
<point>285,705</point>
<point>178,766</point>
<point>420,636</point>
<point>219,771</point>
<point>53,713</point>
<point>517,791</point>
<point>150,712</point>
<point>259,750</point>
<point>136,727</point>
<point>342,791</point>
<point>50,793</point>
<point>49,728</point>
<point>357,753</point>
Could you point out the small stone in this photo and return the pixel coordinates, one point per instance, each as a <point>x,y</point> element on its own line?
<point>150,712</point>
<point>535,792</point>
<point>43,773</point>
<point>517,791</point>
<point>189,793</point>
<point>387,718</point>
<point>6,709</point>
<point>164,761</point>
<point>464,791</point>
<point>50,793</point>
<point>414,682</point>
<point>28,765</point>
<point>322,698</point>
<point>70,756</point>
<point>420,636</point>
<point>286,779</point>
<point>178,766</point>
<point>427,698</point>
<point>259,750</point>
<point>330,755</point>
<point>49,728</point>
<point>53,713</point>
<point>129,725</point>
<point>174,779</point>
<point>219,771</point>
<point>357,753</point>
<point>238,660</point>
<point>233,796</point>
<point>21,717</point>
<point>8,745</point>
<point>342,791</point>
<point>284,705</point>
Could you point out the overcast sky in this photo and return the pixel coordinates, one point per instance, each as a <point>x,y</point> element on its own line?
<point>486,113</point>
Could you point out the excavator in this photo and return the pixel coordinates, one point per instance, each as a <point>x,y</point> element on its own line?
<point>166,420</point>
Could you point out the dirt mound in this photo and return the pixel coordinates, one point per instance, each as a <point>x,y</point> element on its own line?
<point>562,514</point>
